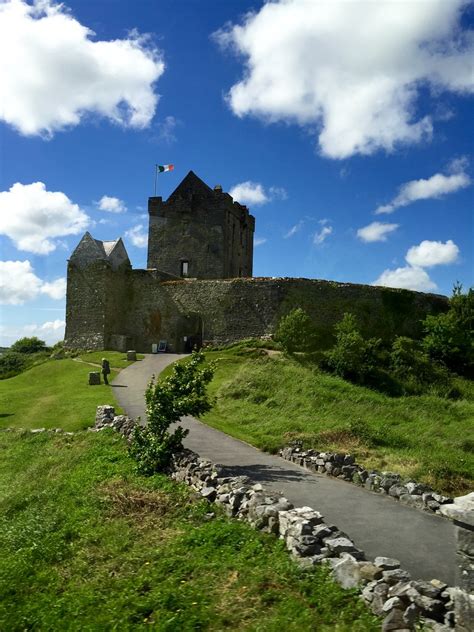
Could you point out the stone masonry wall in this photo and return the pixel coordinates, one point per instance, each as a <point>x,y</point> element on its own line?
<point>96,303</point>
<point>141,307</point>
<point>86,306</point>
<point>222,311</point>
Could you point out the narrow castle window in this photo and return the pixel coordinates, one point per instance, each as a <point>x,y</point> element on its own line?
<point>184,268</point>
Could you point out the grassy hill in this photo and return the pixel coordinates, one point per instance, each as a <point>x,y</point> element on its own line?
<point>56,394</point>
<point>270,400</point>
<point>87,544</point>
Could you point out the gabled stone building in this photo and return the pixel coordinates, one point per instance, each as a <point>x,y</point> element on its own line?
<point>198,286</point>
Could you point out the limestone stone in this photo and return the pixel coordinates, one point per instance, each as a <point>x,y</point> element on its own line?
<point>369,571</point>
<point>391,603</point>
<point>411,615</point>
<point>463,610</point>
<point>209,493</point>
<point>346,571</point>
<point>339,545</point>
<point>387,563</point>
<point>412,500</point>
<point>394,621</point>
<point>396,575</point>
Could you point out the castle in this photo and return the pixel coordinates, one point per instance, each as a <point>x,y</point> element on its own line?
<point>198,286</point>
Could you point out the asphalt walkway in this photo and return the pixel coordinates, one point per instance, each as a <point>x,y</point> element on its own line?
<point>424,543</point>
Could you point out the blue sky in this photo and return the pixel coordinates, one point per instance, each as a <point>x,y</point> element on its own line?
<point>345,126</point>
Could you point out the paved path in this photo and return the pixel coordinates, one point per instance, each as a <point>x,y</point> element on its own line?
<point>424,543</point>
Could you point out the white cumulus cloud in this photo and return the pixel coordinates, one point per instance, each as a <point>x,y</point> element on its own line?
<point>376,231</point>
<point>432,253</point>
<point>249,193</point>
<point>33,217</point>
<point>424,189</point>
<point>408,278</point>
<point>51,332</point>
<point>137,236</point>
<point>111,204</point>
<point>19,284</point>
<point>255,193</point>
<point>55,289</point>
<point>352,69</point>
<point>54,72</point>
<point>426,255</point>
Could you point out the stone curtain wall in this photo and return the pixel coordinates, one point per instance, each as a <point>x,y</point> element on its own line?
<point>144,307</point>
<point>229,310</point>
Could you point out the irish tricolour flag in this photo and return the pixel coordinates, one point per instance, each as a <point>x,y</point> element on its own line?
<point>162,168</point>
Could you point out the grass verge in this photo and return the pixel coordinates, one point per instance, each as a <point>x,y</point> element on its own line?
<point>268,401</point>
<point>89,545</point>
<point>117,359</point>
<point>55,394</point>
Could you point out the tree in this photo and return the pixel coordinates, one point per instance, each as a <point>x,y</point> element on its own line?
<point>352,357</point>
<point>414,369</point>
<point>296,331</point>
<point>449,337</point>
<point>28,345</point>
<point>182,393</point>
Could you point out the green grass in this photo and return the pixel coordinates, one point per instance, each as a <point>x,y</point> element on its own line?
<point>54,394</point>
<point>89,545</point>
<point>268,401</point>
<point>116,359</point>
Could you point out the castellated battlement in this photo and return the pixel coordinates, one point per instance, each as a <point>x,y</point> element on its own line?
<point>214,299</point>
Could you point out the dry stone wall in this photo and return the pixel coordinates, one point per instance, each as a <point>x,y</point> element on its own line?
<point>408,492</point>
<point>388,590</point>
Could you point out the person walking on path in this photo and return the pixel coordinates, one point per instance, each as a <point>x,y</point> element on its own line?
<point>105,369</point>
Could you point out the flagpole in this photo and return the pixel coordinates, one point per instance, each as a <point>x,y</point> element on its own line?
<point>156,175</point>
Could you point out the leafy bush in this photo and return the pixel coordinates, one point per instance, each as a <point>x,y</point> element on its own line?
<point>11,364</point>
<point>450,336</point>
<point>57,351</point>
<point>352,357</point>
<point>182,393</point>
<point>296,331</point>
<point>28,345</point>
<point>417,372</point>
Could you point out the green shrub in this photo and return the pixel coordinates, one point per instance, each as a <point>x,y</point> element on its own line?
<point>416,372</point>
<point>11,364</point>
<point>352,357</point>
<point>57,351</point>
<point>296,331</point>
<point>449,337</point>
<point>28,345</point>
<point>182,393</point>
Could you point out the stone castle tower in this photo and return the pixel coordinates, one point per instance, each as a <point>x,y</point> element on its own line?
<point>198,286</point>
<point>200,233</point>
